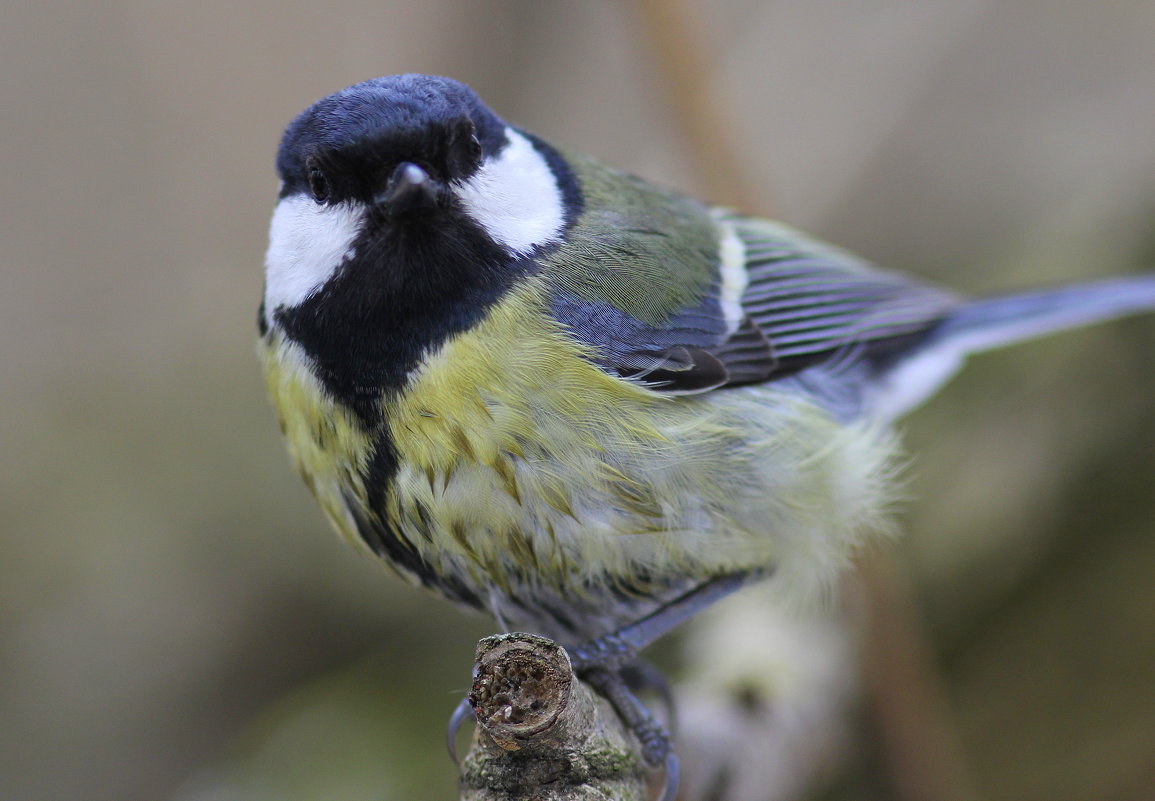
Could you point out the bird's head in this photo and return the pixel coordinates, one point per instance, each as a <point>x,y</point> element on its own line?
<point>407,208</point>
<point>405,181</point>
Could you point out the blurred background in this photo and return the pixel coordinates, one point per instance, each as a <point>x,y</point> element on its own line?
<point>177,620</point>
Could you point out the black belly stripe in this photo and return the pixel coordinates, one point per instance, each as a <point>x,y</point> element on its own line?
<point>389,542</point>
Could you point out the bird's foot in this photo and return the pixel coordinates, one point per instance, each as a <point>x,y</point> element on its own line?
<point>611,665</point>
<point>614,684</point>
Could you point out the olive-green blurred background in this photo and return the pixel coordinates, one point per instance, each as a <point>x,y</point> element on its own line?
<point>177,620</point>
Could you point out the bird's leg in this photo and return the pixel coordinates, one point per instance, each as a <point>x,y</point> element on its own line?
<point>621,647</point>
<point>610,664</point>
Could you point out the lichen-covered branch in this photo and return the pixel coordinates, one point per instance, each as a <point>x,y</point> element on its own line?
<point>542,734</point>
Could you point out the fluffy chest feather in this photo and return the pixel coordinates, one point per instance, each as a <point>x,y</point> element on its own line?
<point>522,469</point>
<point>328,445</point>
<point>514,449</point>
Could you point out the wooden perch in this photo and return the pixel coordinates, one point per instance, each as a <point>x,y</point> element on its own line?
<point>541,733</point>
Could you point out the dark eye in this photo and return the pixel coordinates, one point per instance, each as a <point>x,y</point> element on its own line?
<point>474,148</point>
<point>319,186</point>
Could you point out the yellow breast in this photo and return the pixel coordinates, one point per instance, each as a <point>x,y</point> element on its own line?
<point>326,442</point>
<point>518,457</point>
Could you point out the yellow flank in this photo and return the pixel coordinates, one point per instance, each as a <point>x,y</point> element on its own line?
<point>327,445</point>
<point>519,456</point>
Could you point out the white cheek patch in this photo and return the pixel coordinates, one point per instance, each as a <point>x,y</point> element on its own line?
<point>515,197</point>
<point>308,241</point>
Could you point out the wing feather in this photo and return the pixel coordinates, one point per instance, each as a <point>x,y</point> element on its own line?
<point>804,304</point>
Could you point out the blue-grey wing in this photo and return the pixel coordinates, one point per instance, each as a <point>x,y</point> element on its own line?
<point>804,304</point>
<point>817,304</point>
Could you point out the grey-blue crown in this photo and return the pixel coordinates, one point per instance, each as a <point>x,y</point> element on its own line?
<point>413,111</point>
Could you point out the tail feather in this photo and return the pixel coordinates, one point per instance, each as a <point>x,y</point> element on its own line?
<point>1005,320</point>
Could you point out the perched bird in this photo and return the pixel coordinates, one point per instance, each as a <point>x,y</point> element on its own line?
<point>548,389</point>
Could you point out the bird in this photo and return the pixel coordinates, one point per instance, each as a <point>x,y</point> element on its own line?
<point>550,390</point>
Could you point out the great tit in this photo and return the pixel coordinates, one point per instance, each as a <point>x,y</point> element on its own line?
<point>548,389</point>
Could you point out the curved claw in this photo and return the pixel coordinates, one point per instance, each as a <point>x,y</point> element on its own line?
<point>673,777</point>
<point>462,713</point>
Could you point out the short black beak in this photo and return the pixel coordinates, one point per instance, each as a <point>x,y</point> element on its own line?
<point>410,189</point>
